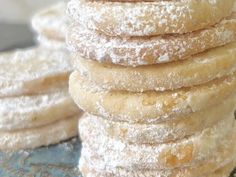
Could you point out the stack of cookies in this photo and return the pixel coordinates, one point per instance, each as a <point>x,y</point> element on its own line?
<point>158,82</point>
<point>51,25</point>
<point>35,107</point>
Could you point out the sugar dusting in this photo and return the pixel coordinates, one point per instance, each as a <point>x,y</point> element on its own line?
<point>21,68</point>
<point>148,50</point>
<point>32,111</point>
<point>148,18</point>
<point>160,77</point>
<point>117,153</point>
<point>52,22</point>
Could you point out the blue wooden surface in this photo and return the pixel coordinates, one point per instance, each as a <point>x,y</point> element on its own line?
<point>55,161</point>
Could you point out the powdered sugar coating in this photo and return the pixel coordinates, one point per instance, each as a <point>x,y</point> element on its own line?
<point>39,136</point>
<point>52,22</point>
<point>149,18</point>
<point>35,70</point>
<point>137,51</point>
<point>149,106</point>
<point>196,70</point>
<point>88,168</point>
<point>165,131</point>
<point>183,153</point>
<point>32,111</point>
<point>51,44</point>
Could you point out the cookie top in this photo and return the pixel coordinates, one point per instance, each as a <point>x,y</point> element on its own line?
<point>149,18</point>
<point>39,136</point>
<point>24,112</point>
<point>138,50</point>
<point>194,71</point>
<point>32,70</point>
<point>51,22</point>
<point>149,106</point>
<point>189,151</point>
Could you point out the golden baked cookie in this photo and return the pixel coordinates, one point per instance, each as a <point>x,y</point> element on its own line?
<point>149,18</point>
<point>33,71</point>
<point>224,171</point>
<point>39,136</point>
<point>163,132</point>
<point>197,70</point>
<point>36,110</point>
<point>89,170</point>
<point>149,106</point>
<point>178,154</point>
<point>136,51</point>
<point>51,44</point>
<point>52,22</point>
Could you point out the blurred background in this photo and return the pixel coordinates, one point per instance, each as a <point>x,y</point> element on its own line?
<point>20,11</point>
<point>15,15</point>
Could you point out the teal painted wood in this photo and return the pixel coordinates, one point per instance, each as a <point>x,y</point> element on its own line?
<point>54,161</point>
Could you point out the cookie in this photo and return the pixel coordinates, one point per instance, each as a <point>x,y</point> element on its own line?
<point>39,136</point>
<point>178,154</point>
<point>149,18</point>
<point>52,22</point>
<point>149,106</point>
<point>197,70</point>
<point>33,71</point>
<point>136,51</point>
<point>205,170</point>
<point>165,131</point>
<point>23,112</point>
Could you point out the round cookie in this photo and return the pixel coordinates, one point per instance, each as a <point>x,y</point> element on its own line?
<point>51,44</point>
<point>39,136</point>
<point>182,153</point>
<point>89,170</point>
<point>52,22</point>
<point>33,71</point>
<point>138,51</point>
<point>149,106</point>
<point>149,18</point>
<point>163,132</point>
<point>224,171</point>
<point>197,70</point>
<point>33,111</point>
